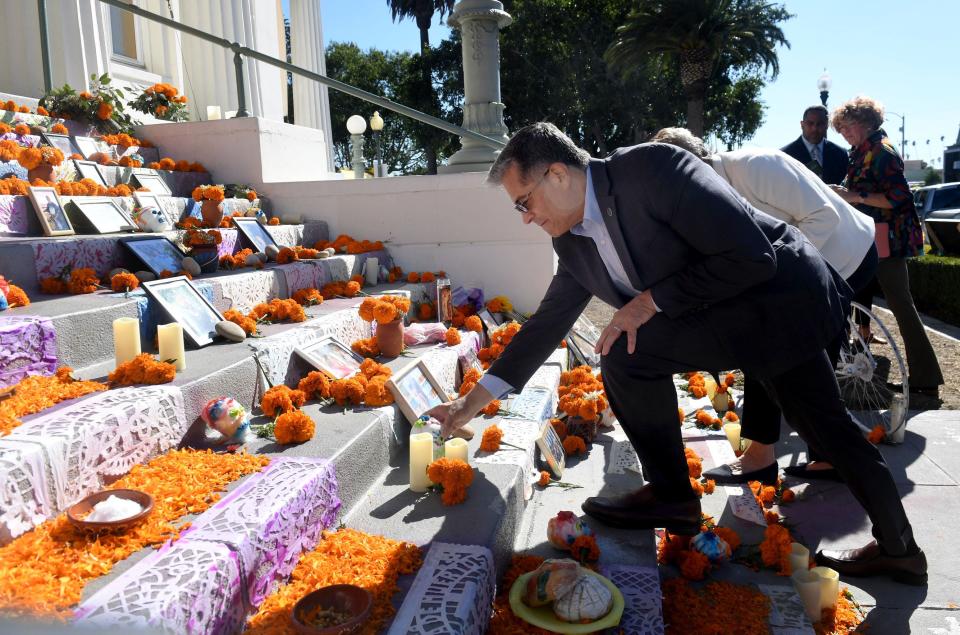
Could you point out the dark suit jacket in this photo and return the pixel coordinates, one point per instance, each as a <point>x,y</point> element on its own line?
<point>681,231</point>
<point>835,159</point>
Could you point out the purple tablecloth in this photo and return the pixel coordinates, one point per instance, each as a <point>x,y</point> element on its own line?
<point>28,346</point>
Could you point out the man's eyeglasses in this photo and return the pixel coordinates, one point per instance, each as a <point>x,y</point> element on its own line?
<point>521,204</point>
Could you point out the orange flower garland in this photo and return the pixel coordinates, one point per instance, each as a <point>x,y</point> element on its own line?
<point>293,427</point>
<point>43,572</point>
<point>455,476</point>
<point>281,399</point>
<point>346,556</point>
<point>36,393</point>
<point>142,369</point>
<point>492,438</point>
<point>124,281</point>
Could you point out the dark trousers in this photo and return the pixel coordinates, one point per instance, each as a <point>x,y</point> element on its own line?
<point>761,415</point>
<point>641,392</point>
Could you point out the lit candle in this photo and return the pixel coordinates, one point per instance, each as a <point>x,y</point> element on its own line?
<point>807,584</point>
<point>799,557</point>
<point>732,431</point>
<point>710,385</point>
<point>213,112</point>
<point>372,269</point>
<point>421,455</point>
<point>126,339</point>
<point>456,449</point>
<point>170,341</point>
<point>829,586</point>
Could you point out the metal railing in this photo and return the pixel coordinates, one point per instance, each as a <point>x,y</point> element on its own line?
<point>239,51</point>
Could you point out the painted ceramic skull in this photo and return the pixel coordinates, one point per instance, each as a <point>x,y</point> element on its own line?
<point>152,219</point>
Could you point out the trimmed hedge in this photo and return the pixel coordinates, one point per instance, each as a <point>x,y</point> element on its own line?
<point>935,286</point>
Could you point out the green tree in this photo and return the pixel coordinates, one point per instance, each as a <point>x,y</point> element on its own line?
<point>932,177</point>
<point>702,39</point>
<point>425,98</point>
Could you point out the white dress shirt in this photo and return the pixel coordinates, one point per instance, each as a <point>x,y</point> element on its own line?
<point>782,187</point>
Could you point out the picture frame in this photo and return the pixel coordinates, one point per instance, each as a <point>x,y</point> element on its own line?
<point>331,356</point>
<point>444,301</point>
<point>254,233</point>
<point>90,170</point>
<point>62,142</point>
<point>153,182</point>
<point>155,253</point>
<point>53,217</point>
<point>149,154</point>
<point>101,214</point>
<point>488,320</point>
<point>552,454</point>
<point>416,390</point>
<point>184,303</point>
<point>149,199</point>
<point>88,146</point>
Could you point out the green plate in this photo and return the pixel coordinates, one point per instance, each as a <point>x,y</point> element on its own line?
<point>544,617</point>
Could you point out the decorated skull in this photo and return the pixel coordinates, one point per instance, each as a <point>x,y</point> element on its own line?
<point>151,219</point>
<point>226,419</point>
<point>564,528</point>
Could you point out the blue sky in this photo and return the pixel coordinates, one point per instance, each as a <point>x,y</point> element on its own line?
<point>903,54</point>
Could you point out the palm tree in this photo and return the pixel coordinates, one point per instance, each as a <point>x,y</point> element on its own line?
<point>422,11</point>
<point>703,37</point>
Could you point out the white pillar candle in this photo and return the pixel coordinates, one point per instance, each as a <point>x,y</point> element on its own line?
<point>372,268</point>
<point>807,584</point>
<point>709,384</point>
<point>213,112</point>
<point>170,342</point>
<point>799,557</point>
<point>732,430</point>
<point>456,449</point>
<point>421,455</point>
<point>829,586</point>
<point>126,339</point>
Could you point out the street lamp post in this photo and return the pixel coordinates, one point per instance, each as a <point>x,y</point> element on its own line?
<point>823,85</point>
<point>376,125</point>
<point>903,133</point>
<point>356,125</point>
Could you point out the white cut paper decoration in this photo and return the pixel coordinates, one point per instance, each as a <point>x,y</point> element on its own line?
<point>744,505</point>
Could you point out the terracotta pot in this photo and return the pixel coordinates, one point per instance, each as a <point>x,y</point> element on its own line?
<point>212,213</point>
<point>584,428</point>
<point>207,257</point>
<point>43,172</point>
<point>390,338</point>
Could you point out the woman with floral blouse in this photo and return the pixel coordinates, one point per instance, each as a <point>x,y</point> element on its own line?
<point>875,185</point>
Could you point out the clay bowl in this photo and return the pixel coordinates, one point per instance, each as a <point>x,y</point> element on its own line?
<point>339,597</point>
<point>77,512</point>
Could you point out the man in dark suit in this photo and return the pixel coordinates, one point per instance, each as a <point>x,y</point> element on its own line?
<point>823,157</point>
<point>701,280</point>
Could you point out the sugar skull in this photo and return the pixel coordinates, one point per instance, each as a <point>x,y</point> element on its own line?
<point>564,528</point>
<point>151,219</point>
<point>224,415</point>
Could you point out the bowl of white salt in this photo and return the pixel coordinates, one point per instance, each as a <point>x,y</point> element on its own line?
<point>110,509</point>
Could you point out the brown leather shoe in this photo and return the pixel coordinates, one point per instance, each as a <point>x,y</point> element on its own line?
<point>641,510</point>
<point>871,560</point>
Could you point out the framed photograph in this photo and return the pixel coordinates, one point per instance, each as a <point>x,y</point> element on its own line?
<point>63,142</point>
<point>150,155</point>
<point>416,390</point>
<point>444,301</point>
<point>551,450</point>
<point>88,146</point>
<point>90,170</point>
<point>151,204</point>
<point>488,321</point>
<point>103,215</point>
<point>53,218</point>
<point>331,356</point>
<point>152,182</point>
<point>155,253</point>
<point>254,233</point>
<point>187,306</point>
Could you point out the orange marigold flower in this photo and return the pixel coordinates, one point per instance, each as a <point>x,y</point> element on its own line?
<point>427,277</point>
<point>21,129</point>
<point>455,476</point>
<point>83,280</point>
<point>142,369</point>
<point>788,496</point>
<point>729,379</point>
<point>473,323</point>
<point>491,408</point>
<point>729,536</point>
<point>680,414</point>
<point>560,428</point>
<point>574,445</point>
<point>281,398</point>
<point>308,297</point>
<point>104,111</point>
<point>17,297</point>
<point>316,385</point>
<point>248,325</point>
<point>377,394</point>
<point>452,336</point>
<point>53,286</point>
<point>166,163</point>
<point>492,437</point>
<point>775,548</point>
<point>693,565</point>
<point>59,128</point>
<point>293,427</point>
<point>425,311</point>
<point>731,417</point>
<point>124,281</point>
<point>877,435</point>
<point>413,276</point>
<point>544,479</point>
<point>694,467</point>
<point>287,255</point>
<point>366,347</point>
<point>697,487</point>
<point>709,486</point>
<point>274,221</point>
<point>585,549</point>
<point>251,195</point>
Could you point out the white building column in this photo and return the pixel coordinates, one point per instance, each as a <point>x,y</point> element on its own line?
<point>311,101</point>
<point>480,22</point>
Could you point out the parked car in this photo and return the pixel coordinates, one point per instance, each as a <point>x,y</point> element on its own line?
<point>939,208</point>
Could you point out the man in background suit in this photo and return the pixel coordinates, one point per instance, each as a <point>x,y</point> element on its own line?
<point>701,280</point>
<point>823,157</point>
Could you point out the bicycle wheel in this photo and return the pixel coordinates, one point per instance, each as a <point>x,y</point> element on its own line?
<point>873,378</point>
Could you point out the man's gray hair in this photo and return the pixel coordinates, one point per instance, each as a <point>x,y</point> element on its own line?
<point>537,146</point>
<point>683,138</point>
